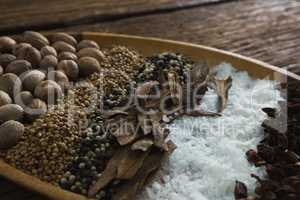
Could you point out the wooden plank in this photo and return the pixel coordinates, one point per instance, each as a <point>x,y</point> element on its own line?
<point>264,29</point>
<point>17,16</point>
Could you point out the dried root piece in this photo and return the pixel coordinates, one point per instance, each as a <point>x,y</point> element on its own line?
<point>142,145</point>
<point>222,88</point>
<point>126,133</point>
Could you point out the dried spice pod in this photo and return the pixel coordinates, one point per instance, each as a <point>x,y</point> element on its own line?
<point>240,190</point>
<point>19,46</point>
<point>4,98</point>
<point>64,37</point>
<point>35,109</point>
<point>48,50</point>
<point>35,39</point>
<point>48,91</point>
<point>10,133</point>
<point>88,66</point>
<point>18,67</point>
<point>11,84</point>
<point>67,56</point>
<point>6,58</point>
<point>61,46</point>
<point>70,68</point>
<point>6,44</point>
<point>30,54</point>
<point>31,79</point>
<point>92,52</point>
<point>23,99</point>
<point>222,88</point>
<point>142,145</point>
<point>87,44</point>
<point>48,63</point>
<point>60,78</point>
<point>11,112</point>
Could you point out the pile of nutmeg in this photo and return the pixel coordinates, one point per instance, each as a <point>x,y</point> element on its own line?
<point>35,71</point>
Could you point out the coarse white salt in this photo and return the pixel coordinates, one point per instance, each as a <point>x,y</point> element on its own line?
<point>211,150</point>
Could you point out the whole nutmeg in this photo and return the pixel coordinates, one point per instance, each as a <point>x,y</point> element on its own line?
<point>64,37</point>
<point>35,109</point>
<point>11,84</point>
<point>48,50</point>
<point>48,91</point>
<point>18,67</point>
<point>87,44</point>
<point>6,44</point>
<point>70,68</point>
<point>31,79</point>
<point>61,46</point>
<point>88,66</point>
<point>4,98</point>
<point>23,99</point>
<point>18,46</point>
<point>1,70</point>
<point>49,63</point>
<point>10,133</point>
<point>92,52</point>
<point>6,58</point>
<point>67,56</point>
<point>30,54</point>
<point>60,78</point>
<point>35,39</point>
<point>11,112</point>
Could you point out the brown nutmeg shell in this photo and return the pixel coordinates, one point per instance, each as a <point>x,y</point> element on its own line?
<point>48,91</point>
<point>18,67</point>
<point>63,37</point>
<point>35,109</point>
<point>5,59</point>
<point>11,84</point>
<point>70,68</point>
<point>87,44</point>
<point>30,54</point>
<point>61,46</point>
<point>88,66</point>
<point>10,133</point>
<point>48,50</point>
<point>4,98</point>
<point>11,112</point>
<point>35,39</point>
<point>31,79</point>
<point>6,44</point>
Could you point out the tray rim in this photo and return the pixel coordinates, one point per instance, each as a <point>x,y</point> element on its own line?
<point>34,184</point>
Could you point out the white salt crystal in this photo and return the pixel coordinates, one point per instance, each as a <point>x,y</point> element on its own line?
<point>211,150</point>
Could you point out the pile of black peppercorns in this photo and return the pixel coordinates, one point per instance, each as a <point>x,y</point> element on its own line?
<point>165,62</point>
<point>95,151</point>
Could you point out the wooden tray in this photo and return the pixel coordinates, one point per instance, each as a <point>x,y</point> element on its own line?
<point>149,46</point>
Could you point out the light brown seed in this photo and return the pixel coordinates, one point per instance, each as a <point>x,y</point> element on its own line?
<point>4,98</point>
<point>67,56</point>
<point>6,58</point>
<point>6,44</point>
<point>23,99</point>
<point>48,63</point>
<point>63,37</point>
<point>88,66</point>
<point>18,67</point>
<point>35,109</point>
<point>87,44</point>
<point>61,46</point>
<point>11,112</point>
<point>10,133</point>
<point>92,52</point>
<point>18,46</point>
<point>11,84</point>
<point>70,68</point>
<point>31,79</point>
<point>60,78</point>
<point>30,54</point>
<point>35,39</point>
<point>48,91</point>
<point>48,50</point>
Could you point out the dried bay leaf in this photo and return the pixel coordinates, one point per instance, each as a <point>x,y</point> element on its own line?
<point>130,163</point>
<point>129,189</point>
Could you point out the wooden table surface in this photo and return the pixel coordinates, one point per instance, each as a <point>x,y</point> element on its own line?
<point>268,30</point>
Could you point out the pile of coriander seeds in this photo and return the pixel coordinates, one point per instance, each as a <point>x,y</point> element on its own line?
<point>53,90</point>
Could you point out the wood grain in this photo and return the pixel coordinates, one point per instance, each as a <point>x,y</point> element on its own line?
<point>17,16</point>
<point>268,30</point>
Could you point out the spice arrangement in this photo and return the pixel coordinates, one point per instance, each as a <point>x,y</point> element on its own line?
<point>94,120</point>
